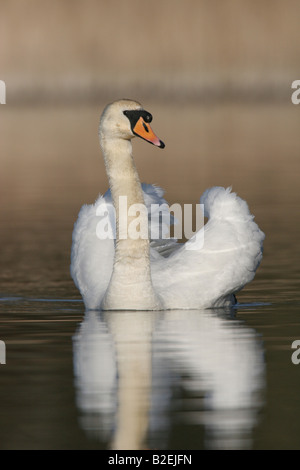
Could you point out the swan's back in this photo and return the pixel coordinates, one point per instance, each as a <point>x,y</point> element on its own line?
<point>205,273</point>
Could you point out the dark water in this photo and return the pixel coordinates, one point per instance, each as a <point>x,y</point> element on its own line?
<point>166,380</point>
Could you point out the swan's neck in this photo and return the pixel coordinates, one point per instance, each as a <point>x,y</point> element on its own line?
<point>130,286</point>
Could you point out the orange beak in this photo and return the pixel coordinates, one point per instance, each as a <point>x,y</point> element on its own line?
<point>143,130</point>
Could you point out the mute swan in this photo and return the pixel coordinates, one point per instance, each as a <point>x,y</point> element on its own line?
<point>119,273</point>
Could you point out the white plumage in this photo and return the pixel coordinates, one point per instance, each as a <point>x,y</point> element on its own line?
<point>159,274</point>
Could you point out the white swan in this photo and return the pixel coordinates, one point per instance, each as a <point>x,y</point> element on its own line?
<point>140,274</point>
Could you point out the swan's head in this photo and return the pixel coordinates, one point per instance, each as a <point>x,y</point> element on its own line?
<point>125,119</point>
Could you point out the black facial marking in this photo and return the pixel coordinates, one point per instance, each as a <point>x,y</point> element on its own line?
<point>135,114</point>
<point>145,127</point>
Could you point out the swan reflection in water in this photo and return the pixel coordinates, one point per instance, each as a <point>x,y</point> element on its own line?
<point>138,374</point>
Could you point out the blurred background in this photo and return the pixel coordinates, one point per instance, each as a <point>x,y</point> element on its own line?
<point>197,51</point>
<point>216,76</point>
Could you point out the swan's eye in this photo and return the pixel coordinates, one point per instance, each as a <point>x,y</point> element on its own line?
<point>147,117</point>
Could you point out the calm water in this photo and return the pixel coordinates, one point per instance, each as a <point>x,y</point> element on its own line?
<point>167,380</point>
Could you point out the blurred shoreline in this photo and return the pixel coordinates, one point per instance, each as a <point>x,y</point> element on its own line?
<point>198,50</point>
<point>164,91</point>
